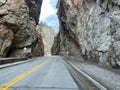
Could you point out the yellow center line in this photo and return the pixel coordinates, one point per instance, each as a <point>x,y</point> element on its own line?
<point>20,77</point>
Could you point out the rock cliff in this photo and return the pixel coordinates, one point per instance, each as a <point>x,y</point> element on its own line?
<point>48,35</point>
<point>18,35</point>
<point>91,29</point>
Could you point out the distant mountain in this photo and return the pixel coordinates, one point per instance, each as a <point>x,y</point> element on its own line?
<point>48,35</point>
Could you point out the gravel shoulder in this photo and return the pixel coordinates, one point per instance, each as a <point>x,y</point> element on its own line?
<point>105,75</point>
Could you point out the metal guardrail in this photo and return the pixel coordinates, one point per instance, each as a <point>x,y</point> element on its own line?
<point>84,81</point>
<point>10,60</point>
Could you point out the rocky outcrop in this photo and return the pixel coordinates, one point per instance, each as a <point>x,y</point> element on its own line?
<point>38,47</point>
<point>48,35</point>
<point>92,27</point>
<point>18,19</point>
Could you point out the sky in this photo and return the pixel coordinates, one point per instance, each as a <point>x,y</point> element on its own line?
<point>48,14</point>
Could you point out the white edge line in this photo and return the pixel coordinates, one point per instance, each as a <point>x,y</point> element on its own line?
<point>101,87</point>
<point>15,63</point>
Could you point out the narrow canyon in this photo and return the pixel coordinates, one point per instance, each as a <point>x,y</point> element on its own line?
<point>82,54</point>
<point>87,28</point>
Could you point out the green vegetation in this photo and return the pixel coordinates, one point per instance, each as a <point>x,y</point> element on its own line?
<point>43,24</point>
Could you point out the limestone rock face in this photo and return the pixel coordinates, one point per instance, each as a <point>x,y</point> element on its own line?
<point>48,35</point>
<point>18,19</point>
<point>92,27</point>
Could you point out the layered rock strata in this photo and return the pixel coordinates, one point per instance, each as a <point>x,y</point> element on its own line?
<point>90,28</point>
<point>18,35</point>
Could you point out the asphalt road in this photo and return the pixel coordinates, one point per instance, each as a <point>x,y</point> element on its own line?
<point>46,73</point>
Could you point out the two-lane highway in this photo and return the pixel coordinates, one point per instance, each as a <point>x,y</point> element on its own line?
<point>46,73</point>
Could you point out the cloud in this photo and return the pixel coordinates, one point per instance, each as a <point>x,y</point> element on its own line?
<point>46,10</point>
<point>48,14</point>
<point>53,22</point>
<point>53,3</point>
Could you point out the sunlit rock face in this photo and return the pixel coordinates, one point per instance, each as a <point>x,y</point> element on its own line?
<point>48,35</point>
<point>90,28</point>
<point>18,19</point>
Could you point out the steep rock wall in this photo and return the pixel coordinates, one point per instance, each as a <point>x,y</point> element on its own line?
<point>93,26</point>
<point>66,39</point>
<point>18,19</point>
<point>48,35</point>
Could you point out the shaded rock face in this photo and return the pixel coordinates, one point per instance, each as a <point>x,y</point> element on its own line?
<point>48,35</point>
<point>66,40</point>
<point>38,47</point>
<point>18,19</point>
<point>94,26</point>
